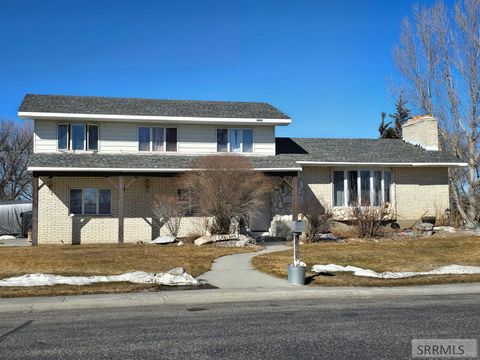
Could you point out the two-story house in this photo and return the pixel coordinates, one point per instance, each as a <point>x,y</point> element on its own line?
<point>98,162</point>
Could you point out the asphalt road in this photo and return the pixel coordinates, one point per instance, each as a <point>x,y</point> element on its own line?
<point>327,329</point>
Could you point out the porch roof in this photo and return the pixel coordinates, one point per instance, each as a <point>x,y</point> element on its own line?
<point>291,155</point>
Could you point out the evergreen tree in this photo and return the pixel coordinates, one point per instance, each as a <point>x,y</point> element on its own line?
<point>401,115</point>
<point>382,129</point>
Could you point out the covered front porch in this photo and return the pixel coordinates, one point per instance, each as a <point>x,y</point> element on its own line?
<point>105,207</point>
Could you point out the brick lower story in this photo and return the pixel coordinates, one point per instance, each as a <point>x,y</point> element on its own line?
<point>417,192</point>
<point>56,225</point>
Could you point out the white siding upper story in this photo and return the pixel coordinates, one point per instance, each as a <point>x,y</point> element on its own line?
<point>123,137</point>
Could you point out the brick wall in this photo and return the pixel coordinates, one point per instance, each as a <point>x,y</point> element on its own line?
<point>422,131</point>
<point>416,190</point>
<point>56,226</point>
<point>419,191</point>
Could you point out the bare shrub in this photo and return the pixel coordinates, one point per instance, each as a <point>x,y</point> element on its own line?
<point>441,218</point>
<point>318,217</point>
<point>170,211</point>
<point>227,188</point>
<point>368,220</point>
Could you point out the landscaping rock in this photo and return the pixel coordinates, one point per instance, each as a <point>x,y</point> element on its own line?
<point>244,241</point>
<point>202,240</point>
<point>326,237</point>
<point>407,232</point>
<point>7,237</point>
<point>164,239</point>
<point>180,243</point>
<point>447,229</point>
<point>424,226</point>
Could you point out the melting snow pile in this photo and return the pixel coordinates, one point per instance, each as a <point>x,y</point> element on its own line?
<point>175,276</point>
<point>444,270</point>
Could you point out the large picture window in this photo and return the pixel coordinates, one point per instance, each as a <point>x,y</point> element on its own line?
<point>77,137</point>
<point>235,140</point>
<point>90,201</point>
<point>365,187</point>
<point>157,139</point>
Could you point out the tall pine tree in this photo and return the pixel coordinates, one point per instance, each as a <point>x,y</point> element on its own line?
<point>401,115</point>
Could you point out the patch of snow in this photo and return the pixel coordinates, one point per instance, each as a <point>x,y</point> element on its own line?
<point>176,276</point>
<point>7,237</point>
<point>444,270</point>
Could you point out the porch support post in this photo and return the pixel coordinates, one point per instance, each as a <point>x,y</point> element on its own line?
<point>295,198</point>
<point>121,208</point>
<point>34,210</point>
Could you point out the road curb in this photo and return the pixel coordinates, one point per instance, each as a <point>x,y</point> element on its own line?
<point>191,297</point>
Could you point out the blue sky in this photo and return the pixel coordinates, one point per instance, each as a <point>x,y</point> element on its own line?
<point>324,63</point>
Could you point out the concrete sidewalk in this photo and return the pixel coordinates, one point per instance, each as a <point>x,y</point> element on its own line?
<point>236,271</point>
<point>190,297</point>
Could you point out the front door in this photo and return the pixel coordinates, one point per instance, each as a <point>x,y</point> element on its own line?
<point>260,221</point>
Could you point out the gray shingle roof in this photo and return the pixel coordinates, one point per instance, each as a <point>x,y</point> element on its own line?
<point>361,150</point>
<point>288,152</point>
<point>148,107</point>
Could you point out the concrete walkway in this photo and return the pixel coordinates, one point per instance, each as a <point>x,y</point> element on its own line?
<point>236,272</point>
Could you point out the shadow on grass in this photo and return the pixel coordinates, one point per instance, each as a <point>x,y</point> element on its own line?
<point>311,278</point>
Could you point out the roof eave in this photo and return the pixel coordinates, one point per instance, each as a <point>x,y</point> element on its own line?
<point>146,170</point>
<point>149,118</point>
<point>392,164</point>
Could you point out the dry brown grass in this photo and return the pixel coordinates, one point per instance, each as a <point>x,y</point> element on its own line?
<point>384,255</point>
<point>108,259</point>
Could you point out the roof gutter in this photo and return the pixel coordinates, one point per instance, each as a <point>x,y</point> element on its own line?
<point>137,170</point>
<point>147,118</point>
<point>396,164</point>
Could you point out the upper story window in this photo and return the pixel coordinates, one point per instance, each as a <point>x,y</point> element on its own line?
<point>157,139</point>
<point>235,140</point>
<point>77,137</point>
<point>361,187</point>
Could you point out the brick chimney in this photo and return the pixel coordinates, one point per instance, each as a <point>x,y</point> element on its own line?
<point>422,131</point>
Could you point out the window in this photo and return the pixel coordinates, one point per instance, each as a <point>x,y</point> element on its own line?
<point>372,188</point>
<point>222,140</point>
<point>186,201</point>
<point>387,185</point>
<point>144,139</point>
<point>235,140</point>
<point>62,133</point>
<point>77,137</point>
<point>171,137</point>
<point>75,201</point>
<point>247,140</point>
<point>92,139</point>
<point>352,177</point>
<point>90,201</point>
<point>157,139</point>
<point>338,188</point>
<point>104,201</point>
<point>377,188</point>
<point>365,188</point>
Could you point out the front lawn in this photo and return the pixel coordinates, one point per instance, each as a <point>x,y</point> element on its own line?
<point>108,259</point>
<point>384,255</point>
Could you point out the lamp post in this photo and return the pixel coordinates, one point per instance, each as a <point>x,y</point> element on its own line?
<point>296,271</point>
